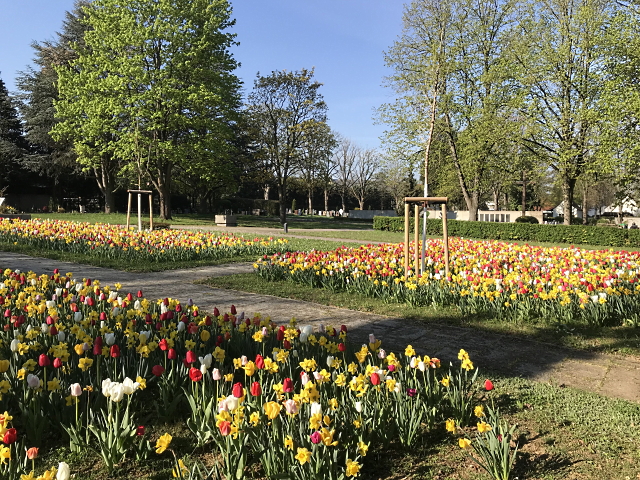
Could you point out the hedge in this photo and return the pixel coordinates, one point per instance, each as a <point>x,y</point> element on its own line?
<point>572,234</point>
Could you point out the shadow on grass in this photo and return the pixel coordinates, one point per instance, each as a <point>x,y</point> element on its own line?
<point>540,466</point>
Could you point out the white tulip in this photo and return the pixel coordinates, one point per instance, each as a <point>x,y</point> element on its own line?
<point>33,381</point>
<point>64,473</point>
<point>181,326</point>
<point>77,316</point>
<point>316,408</point>
<point>106,386</point>
<point>359,407</point>
<point>14,345</point>
<point>203,369</point>
<point>117,392</point>
<point>44,328</point>
<point>129,386</point>
<point>216,375</point>
<point>110,338</point>
<point>231,402</point>
<point>207,360</point>
<point>330,360</point>
<point>61,336</point>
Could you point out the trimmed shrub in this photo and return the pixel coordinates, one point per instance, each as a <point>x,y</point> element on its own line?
<point>571,234</point>
<point>527,219</point>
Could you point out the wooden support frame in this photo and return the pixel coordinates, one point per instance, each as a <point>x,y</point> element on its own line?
<point>140,193</point>
<point>445,235</point>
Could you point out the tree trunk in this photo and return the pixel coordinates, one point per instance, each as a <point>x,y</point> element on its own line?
<point>266,191</point>
<point>105,183</point>
<point>326,201</point>
<point>470,199</point>
<point>361,203</point>
<point>567,200</point>
<point>282,197</point>
<point>310,197</point>
<point>344,207</point>
<point>109,201</point>
<point>496,199</point>
<point>473,206</point>
<point>524,194</point>
<point>585,207</point>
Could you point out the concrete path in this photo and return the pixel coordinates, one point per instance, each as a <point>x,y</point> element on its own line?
<point>605,374</point>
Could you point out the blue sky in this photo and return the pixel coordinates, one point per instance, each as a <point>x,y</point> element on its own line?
<point>343,39</point>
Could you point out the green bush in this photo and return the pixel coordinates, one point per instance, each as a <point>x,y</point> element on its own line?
<point>527,219</point>
<point>571,234</point>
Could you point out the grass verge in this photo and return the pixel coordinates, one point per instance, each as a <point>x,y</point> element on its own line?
<point>620,340</point>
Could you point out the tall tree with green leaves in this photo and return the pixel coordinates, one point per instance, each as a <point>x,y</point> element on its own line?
<point>619,103</point>
<point>12,141</point>
<point>283,106</point>
<point>319,143</point>
<point>154,88</point>
<point>54,160</point>
<point>560,60</point>
<point>450,75</point>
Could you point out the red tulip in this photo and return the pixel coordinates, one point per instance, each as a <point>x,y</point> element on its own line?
<point>225,428</point>
<point>488,385</point>
<point>287,385</point>
<point>129,297</point>
<point>115,351</point>
<point>342,347</point>
<point>191,357</point>
<point>280,335</point>
<point>233,310</point>
<point>10,436</point>
<point>43,360</point>
<point>195,374</point>
<point>237,391</point>
<point>171,354</point>
<point>163,344</point>
<point>157,370</point>
<point>259,362</point>
<point>207,321</point>
<point>140,294</point>
<point>375,379</point>
<point>286,345</point>
<point>57,363</point>
<point>140,431</point>
<point>32,453</point>
<point>216,312</point>
<point>103,316</point>
<point>178,308</point>
<point>256,389</point>
<point>53,330</point>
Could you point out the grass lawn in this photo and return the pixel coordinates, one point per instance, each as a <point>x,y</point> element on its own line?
<point>250,221</point>
<point>621,340</point>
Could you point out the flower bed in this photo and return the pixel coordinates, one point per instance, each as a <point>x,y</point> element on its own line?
<point>116,242</point>
<point>501,279</point>
<point>82,361</point>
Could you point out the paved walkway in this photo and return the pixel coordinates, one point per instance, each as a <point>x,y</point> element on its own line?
<point>606,374</point>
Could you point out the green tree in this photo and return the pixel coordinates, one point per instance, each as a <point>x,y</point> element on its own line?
<point>12,142</point>
<point>153,87</point>
<point>54,160</point>
<point>451,74</point>
<point>560,61</point>
<point>283,106</point>
<point>317,151</point>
